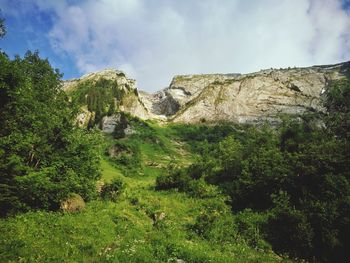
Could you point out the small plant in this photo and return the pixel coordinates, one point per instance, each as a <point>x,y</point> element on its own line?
<point>111,191</point>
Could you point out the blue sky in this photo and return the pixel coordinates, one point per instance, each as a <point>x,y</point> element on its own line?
<point>152,40</point>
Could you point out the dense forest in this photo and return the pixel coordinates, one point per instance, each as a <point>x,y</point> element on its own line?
<point>196,193</point>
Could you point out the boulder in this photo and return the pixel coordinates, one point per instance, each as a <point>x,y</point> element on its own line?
<point>72,204</point>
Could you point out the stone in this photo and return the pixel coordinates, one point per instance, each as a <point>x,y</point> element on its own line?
<point>240,98</point>
<point>158,216</point>
<point>73,204</point>
<point>130,103</point>
<point>248,98</point>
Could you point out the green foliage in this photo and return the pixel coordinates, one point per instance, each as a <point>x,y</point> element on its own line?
<point>127,157</point>
<point>249,226</point>
<point>123,232</point>
<point>215,222</point>
<point>338,116</point>
<point>187,181</point>
<point>111,190</point>
<point>119,130</point>
<point>295,180</point>
<point>102,97</point>
<point>201,137</point>
<point>289,229</point>
<point>175,178</point>
<point>44,157</point>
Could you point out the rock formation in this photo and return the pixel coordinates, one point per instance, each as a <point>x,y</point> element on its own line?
<point>249,98</point>
<point>118,90</point>
<point>241,98</point>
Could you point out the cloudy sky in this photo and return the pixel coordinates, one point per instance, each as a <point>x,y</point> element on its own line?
<point>153,40</point>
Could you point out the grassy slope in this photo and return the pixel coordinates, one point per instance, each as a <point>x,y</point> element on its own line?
<point>124,231</point>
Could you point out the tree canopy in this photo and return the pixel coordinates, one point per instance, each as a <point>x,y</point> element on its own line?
<point>44,156</point>
<point>296,178</point>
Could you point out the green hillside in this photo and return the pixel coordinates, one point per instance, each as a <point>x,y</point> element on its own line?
<point>162,192</point>
<point>127,229</point>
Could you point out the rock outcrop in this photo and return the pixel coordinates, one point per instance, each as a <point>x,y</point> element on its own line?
<point>102,95</point>
<point>241,98</point>
<point>249,98</point>
<point>72,204</point>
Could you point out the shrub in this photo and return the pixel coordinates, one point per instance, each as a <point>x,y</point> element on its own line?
<point>250,227</point>
<point>174,179</point>
<point>44,156</point>
<point>111,191</point>
<point>215,222</point>
<point>127,156</point>
<point>199,188</point>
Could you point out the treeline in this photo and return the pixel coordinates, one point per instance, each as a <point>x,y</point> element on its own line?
<point>44,157</point>
<point>292,184</point>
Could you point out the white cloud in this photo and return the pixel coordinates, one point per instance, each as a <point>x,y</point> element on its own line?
<point>153,40</point>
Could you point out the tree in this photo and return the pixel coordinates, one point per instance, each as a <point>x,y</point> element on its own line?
<point>44,156</point>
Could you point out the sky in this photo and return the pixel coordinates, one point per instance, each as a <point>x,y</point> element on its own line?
<point>153,40</point>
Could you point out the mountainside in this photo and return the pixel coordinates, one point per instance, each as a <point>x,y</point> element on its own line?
<point>248,98</point>
<point>103,94</point>
<point>166,191</point>
<point>239,98</point>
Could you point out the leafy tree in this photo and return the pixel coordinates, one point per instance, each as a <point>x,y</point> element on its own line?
<point>297,175</point>
<point>119,130</point>
<point>44,157</point>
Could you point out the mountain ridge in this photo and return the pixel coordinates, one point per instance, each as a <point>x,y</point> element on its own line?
<point>232,97</point>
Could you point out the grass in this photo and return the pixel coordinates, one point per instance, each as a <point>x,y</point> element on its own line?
<point>126,230</point>
<point>108,171</point>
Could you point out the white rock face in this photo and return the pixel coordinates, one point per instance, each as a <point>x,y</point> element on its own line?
<point>84,117</point>
<point>130,103</point>
<point>250,98</point>
<point>109,122</point>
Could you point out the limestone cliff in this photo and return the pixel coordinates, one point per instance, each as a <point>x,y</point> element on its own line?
<point>102,95</point>
<point>248,98</point>
<point>241,98</point>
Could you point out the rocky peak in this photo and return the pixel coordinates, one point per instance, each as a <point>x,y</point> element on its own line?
<point>103,94</point>
<point>242,98</point>
<point>107,74</point>
<point>245,98</point>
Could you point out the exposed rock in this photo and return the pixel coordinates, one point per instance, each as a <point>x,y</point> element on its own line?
<point>158,216</point>
<point>99,185</point>
<point>247,98</point>
<point>250,98</point>
<point>109,122</point>
<point>84,116</point>
<point>155,164</point>
<point>129,130</point>
<point>130,102</point>
<point>72,204</point>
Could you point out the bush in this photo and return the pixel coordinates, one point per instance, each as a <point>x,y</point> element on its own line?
<point>215,222</point>
<point>43,155</point>
<point>174,179</point>
<point>111,191</point>
<point>199,188</point>
<point>127,156</point>
<point>250,227</point>
<point>305,163</point>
